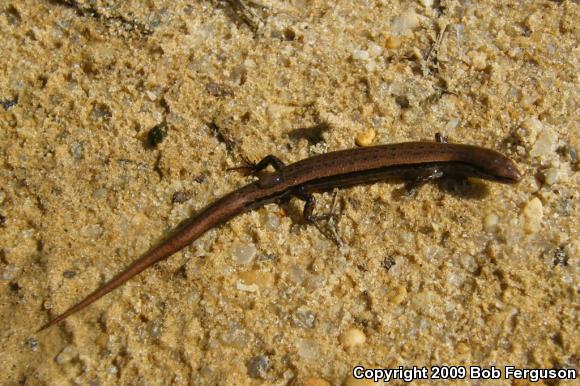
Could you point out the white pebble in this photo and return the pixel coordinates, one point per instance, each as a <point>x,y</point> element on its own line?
<point>360,55</point>
<point>249,63</point>
<point>151,95</point>
<point>404,23</point>
<point>545,144</point>
<point>272,221</point>
<point>374,49</point>
<point>307,349</point>
<point>112,369</point>
<point>244,253</point>
<point>469,263</point>
<point>551,176</point>
<point>532,215</point>
<point>490,222</point>
<point>532,126</point>
<point>7,273</point>
<point>66,355</point>
<point>352,337</point>
<point>370,66</point>
<point>240,286</point>
<point>528,100</point>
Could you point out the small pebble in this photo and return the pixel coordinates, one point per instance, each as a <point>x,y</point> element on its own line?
<point>66,355</point>
<point>297,275</point>
<point>560,257</point>
<point>112,369</point>
<point>289,375</point>
<point>218,90</point>
<point>8,103</point>
<point>315,382</point>
<point>365,138</point>
<point>33,343</point>
<point>551,176</point>
<point>180,197</point>
<point>92,231</point>
<point>566,151</point>
<point>529,100</point>
<point>304,318</point>
<point>272,221</point>
<point>239,74</point>
<point>532,215</point>
<point>262,279</point>
<point>266,257</point>
<point>469,263</point>
<point>405,23</point>
<point>545,144</point>
<point>76,149</point>
<point>151,95</point>
<point>235,336</point>
<point>374,49</point>
<point>478,60</point>
<point>155,328</point>
<point>102,111</point>
<point>462,349</point>
<point>388,262</point>
<point>241,286</point>
<point>351,381</point>
<point>490,222</point>
<point>157,134</point>
<point>307,349</point>
<point>427,302</point>
<point>352,337</point>
<point>244,253</point>
<point>397,295</point>
<point>532,126</point>
<point>100,193</point>
<point>393,42</point>
<point>7,273</point>
<point>258,366</point>
<point>360,55</point>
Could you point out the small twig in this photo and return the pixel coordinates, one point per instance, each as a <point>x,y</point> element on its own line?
<point>435,46</point>
<point>330,232</point>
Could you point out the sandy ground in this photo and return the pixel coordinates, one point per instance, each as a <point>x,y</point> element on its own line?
<point>458,273</point>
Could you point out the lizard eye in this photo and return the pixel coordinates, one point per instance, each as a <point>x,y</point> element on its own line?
<point>269,180</point>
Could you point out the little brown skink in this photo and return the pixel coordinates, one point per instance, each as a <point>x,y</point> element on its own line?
<point>409,161</point>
